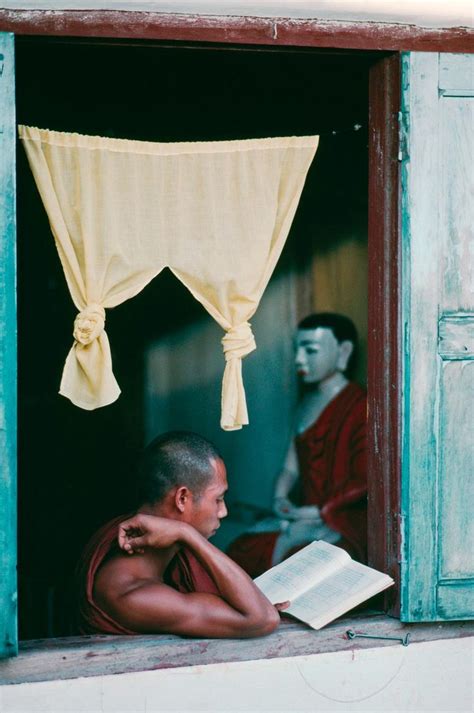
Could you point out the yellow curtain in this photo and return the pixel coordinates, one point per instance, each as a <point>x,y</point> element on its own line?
<point>216,213</point>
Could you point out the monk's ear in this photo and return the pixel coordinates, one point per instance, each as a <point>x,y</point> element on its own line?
<point>181,498</point>
<point>345,350</point>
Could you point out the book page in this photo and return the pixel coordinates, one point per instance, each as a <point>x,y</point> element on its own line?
<point>310,565</point>
<point>343,590</point>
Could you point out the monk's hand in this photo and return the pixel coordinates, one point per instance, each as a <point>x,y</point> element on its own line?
<point>142,531</point>
<point>281,606</point>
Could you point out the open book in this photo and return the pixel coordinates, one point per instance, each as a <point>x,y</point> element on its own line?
<point>321,582</point>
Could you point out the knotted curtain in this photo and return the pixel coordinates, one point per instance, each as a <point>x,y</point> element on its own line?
<point>216,213</point>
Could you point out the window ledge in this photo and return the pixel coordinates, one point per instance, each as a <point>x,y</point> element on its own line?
<point>73,657</point>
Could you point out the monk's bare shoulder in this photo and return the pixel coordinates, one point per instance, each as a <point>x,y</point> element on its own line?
<point>122,573</point>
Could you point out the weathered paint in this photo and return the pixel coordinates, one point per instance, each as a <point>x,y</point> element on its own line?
<point>456,337</point>
<point>425,13</point>
<point>73,657</point>
<point>284,31</point>
<point>8,593</point>
<point>438,315</point>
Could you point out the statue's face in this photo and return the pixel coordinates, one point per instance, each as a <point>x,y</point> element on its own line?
<point>317,354</point>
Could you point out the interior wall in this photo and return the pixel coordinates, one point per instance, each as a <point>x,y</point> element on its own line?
<point>76,467</point>
<point>338,232</point>
<point>183,375</point>
<point>340,285</point>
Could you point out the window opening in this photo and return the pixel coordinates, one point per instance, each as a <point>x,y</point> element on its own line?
<point>74,466</point>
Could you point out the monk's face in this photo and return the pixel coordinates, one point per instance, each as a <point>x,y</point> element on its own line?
<point>206,510</point>
<point>317,354</point>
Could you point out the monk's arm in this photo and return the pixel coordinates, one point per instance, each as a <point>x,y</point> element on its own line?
<point>240,611</point>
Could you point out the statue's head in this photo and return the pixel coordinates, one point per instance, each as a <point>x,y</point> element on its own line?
<point>326,343</point>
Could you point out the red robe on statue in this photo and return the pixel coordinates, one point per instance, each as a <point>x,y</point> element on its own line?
<point>184,574</point>
<point>332,459</point>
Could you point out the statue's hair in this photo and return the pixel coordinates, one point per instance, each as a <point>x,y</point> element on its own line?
<point>172,460</point>
<point>341,326</point>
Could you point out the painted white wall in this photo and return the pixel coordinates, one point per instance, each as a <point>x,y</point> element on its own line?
<point>425,13</point>
<point>430,676</point>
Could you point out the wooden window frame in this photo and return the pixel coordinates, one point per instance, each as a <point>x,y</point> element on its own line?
<point>384,345</point>
<point>74,657</point>
<point>383,342</point>
<point>237,30</point>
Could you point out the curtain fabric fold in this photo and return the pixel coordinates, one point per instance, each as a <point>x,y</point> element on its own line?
<point>216,213</point>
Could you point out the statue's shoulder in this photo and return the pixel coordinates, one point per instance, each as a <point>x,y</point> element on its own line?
<point>353,402</point>
<point>354,389</point>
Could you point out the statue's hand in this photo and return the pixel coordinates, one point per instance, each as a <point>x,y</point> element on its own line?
<point>283,507</point>
<point>307,512</point>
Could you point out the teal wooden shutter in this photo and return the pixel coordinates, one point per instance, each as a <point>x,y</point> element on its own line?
<point>8,585</point>
<point>438,321</point>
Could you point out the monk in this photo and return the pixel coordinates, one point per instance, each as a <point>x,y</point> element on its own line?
<point>326,460</point>
<point>155,571</point>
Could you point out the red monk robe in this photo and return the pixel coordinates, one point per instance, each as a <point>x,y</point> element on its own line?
<point>184,574</point>
<point>332,460</point>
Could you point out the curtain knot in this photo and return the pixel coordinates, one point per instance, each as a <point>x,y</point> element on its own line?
<point>238,341</point>
<point>89,323</point>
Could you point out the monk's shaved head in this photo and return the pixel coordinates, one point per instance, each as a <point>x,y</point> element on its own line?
<point>172,460</point>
